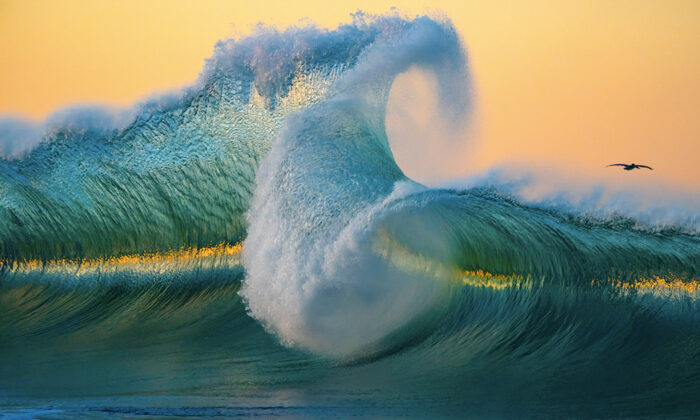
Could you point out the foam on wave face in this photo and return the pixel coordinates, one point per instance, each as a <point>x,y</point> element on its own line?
<point>312,275</point>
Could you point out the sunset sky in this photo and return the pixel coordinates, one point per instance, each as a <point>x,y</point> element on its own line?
<point>580,83</point>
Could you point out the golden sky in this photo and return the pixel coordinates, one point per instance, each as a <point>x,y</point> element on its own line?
<point>582,83</point>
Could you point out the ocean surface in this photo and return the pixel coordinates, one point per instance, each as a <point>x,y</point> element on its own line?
<point>249,246</point>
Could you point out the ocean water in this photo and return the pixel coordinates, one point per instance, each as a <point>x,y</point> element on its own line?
<point>249,246</point>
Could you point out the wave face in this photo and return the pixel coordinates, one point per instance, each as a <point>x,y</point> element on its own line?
<point>357,291</point>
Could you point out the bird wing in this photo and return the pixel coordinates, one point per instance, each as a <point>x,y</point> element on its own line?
<point>645,166</point>
<point>617,164</point>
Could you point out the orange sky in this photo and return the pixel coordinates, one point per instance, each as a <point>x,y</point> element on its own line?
<point>583,83</point>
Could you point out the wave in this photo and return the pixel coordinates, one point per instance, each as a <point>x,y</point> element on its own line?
<point>122,223</point>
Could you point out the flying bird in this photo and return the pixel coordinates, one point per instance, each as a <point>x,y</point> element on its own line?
<point>629,167</point>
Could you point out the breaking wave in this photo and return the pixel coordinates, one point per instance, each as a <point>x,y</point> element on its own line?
<point>122,223</point>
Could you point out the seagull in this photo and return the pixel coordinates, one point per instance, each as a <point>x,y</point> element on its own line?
<point>629,167</point>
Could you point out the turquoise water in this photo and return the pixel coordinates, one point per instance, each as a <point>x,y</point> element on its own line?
<point>358,292</point>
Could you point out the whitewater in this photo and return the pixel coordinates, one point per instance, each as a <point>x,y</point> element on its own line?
<point>249,245</point>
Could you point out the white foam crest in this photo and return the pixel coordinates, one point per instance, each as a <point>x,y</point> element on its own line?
<point>264,61</point>
<point>18,136</point>
<point>652,205</point>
